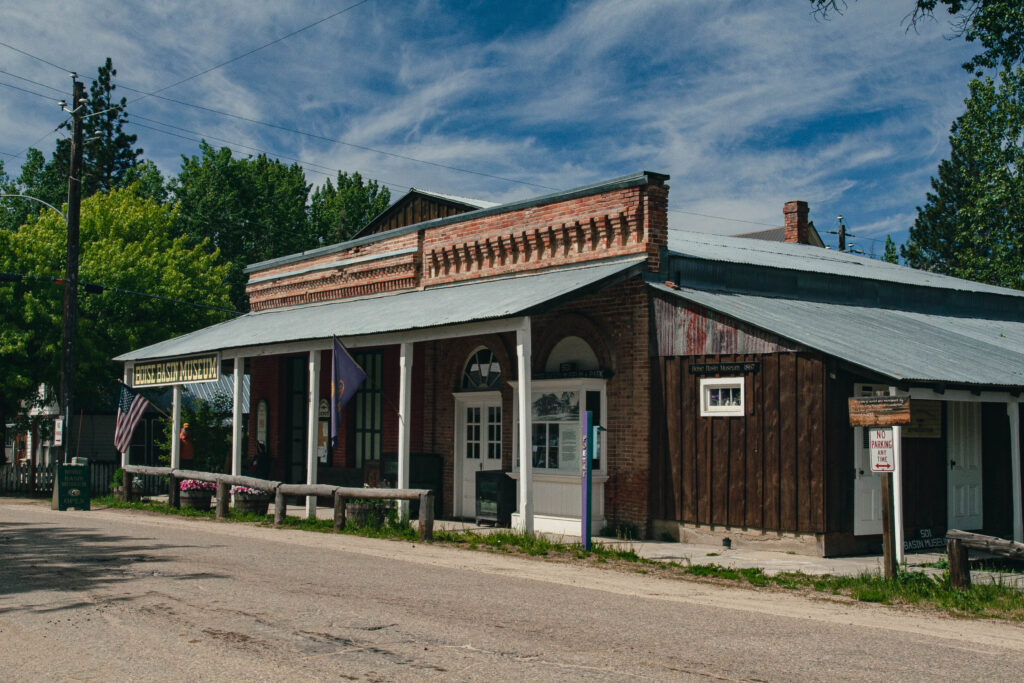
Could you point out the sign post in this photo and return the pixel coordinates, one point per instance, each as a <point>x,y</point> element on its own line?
<point>879,414</point>
<point>586,457</point>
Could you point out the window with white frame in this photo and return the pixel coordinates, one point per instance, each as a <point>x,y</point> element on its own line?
<point>721,397</point>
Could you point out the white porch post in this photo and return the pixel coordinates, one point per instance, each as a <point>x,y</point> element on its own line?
<point>124,453</point>
<point>897,486</point>
<point>525,429</point>
<point>404,405</point>
<point>311,428</point>
<point>175,427</point>
<point>236,418</point>
<point>1013,412</point>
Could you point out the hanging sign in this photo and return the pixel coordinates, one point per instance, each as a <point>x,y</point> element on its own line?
<point>883,452</point>
<point>879,411</point>
<point>58,431</point>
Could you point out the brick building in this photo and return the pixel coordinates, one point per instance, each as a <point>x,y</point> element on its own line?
<point>720,368</point>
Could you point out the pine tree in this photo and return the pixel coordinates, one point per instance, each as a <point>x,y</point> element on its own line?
<point>972,225</point>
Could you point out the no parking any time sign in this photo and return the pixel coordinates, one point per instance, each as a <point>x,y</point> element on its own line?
<point>883,455</point>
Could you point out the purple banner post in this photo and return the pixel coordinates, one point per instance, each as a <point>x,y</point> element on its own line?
<point>586,458</point>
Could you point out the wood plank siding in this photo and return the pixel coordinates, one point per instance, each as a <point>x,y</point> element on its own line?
<point>766,469</point>
<point>411,209</point>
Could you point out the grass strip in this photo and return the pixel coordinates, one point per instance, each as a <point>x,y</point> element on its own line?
<point>910,587</point>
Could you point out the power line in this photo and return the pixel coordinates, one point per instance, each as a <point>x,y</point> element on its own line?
<point>327,170</point>
<point>94,288</point>
<point>257,49</point>
<point>29,80</point>
<point>27,54</point>
<point>144,94</point>
<point>30,92</point>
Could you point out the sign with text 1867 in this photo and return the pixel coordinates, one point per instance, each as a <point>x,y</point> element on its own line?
<point>883,454</point>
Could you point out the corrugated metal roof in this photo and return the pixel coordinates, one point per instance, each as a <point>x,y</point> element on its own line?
<point>799,257</point>
<point>207,391</point>
<point>435,307</point>
<point>478,203</point>
<point>899,344</point>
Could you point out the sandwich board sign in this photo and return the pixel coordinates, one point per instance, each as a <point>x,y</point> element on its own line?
<point>883,453</point>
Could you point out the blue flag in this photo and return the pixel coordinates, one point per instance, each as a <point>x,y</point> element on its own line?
<point>346,378</point>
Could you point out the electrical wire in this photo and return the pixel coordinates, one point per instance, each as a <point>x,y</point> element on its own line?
<point>144,94</point>
<point>315,167</point>
<point>40,59</point>
<point>29,80</point>
<point>30,92</point>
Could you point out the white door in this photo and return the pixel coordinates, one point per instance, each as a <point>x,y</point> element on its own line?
<point>867,485</point>
<point>478,444</point>
<point>963,455</point>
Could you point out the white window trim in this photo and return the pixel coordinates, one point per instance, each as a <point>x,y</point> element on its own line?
<point>708,383</point>
<point>574,384</point>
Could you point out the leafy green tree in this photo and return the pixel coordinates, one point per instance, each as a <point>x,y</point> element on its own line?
<point>40,179</point>
<point>127,243</point>
<point>972,225</point>
<point>338,213</point>
<point>891,254</point>
<point>249,209</point>
<point>998,25</point>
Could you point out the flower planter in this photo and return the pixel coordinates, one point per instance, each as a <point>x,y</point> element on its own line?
<point>197,500</point>
<point>247,504</point>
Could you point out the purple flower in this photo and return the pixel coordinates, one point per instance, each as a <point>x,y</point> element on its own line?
<point>196,485</point>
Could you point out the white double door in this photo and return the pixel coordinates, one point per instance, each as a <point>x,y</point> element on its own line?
<point>477,444</point>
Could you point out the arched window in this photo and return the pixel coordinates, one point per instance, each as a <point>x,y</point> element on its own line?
<point>482,372</point>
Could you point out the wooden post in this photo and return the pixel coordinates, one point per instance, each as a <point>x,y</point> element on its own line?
<point>340,503</point>
<point>126,481</point>
<point>280,507</point>
<point>222,499</point>
<point>959,569</point>
<point>427,516</point>
<point>889,565</point>
<point>173,493</point>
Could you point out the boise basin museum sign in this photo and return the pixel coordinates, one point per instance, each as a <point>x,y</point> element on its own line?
<point>204,368</point>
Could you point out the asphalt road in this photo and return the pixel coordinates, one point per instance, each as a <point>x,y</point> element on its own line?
<point>115,595</point>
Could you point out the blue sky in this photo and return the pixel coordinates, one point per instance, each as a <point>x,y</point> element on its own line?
<point>746,104</point>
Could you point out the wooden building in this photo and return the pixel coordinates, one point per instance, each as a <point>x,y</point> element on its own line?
<point>719,366</point>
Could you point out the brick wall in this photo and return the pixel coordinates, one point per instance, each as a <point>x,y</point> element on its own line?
<point>597,226</point>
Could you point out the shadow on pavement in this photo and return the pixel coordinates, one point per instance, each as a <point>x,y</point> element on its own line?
<point>53,558</point>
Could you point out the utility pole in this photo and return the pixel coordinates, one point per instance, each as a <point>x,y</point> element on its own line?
<point>842,235</point>
<point>67,355</point>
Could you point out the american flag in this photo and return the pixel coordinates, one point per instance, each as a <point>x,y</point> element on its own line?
<point>129,412</point>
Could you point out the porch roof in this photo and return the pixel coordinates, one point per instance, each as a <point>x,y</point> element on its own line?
<point>466,302</point>
<point>906,346</point>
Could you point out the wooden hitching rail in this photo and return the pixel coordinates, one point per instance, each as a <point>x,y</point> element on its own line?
<point>340,494</point>
<point>958,543</point>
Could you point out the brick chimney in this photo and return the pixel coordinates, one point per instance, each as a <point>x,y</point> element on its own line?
<point>796,222</point>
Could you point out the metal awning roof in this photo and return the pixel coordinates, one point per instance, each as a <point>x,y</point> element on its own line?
<point>902,345</point>
<point>466,302</point>
<point>809,259</point>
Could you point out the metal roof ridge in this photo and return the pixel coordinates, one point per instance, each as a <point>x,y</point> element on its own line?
<point>631,180</point>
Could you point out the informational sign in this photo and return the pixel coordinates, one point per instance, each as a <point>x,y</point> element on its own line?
<point>925,420</point>
<point>261,421</point>
<point>58,431</point>
<point>205,368</point>
<point>883,452</point>
<point>71,488</point>
<point>879,411</point>
<point>324,411</point>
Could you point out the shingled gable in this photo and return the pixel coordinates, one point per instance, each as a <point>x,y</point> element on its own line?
<point>621,217</point>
